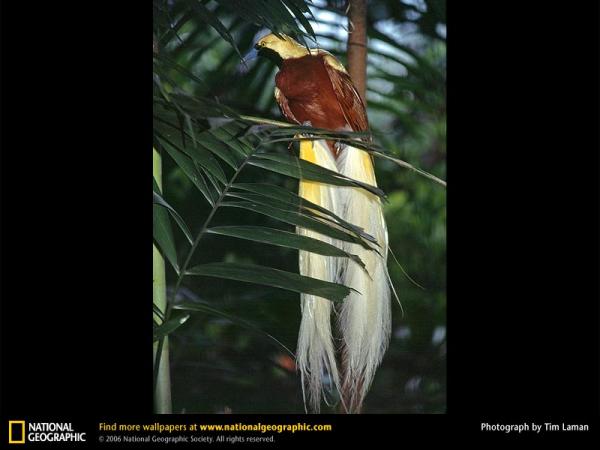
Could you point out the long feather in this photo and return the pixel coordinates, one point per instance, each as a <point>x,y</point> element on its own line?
<point>316,353</point>
<point>365,317</point>
<point>364,320</point>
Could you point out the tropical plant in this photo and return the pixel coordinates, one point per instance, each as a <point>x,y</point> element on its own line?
<point>217,132</point>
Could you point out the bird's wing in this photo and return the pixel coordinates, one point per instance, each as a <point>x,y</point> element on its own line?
<point>347,95</point>
<point>282,101</point>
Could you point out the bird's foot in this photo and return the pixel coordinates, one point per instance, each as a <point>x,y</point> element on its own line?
<point>339,146</point>
<point>307,123</point>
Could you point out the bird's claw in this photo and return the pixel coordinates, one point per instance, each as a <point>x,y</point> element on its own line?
<point>339,146</point>
<point>307,123</point>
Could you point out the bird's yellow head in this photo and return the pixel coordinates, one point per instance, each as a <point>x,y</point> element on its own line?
<point>284,46</point>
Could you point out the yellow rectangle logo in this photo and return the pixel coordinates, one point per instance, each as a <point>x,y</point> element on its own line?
<point>12,424</point>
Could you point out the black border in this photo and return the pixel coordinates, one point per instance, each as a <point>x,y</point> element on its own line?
<point>523,220</point>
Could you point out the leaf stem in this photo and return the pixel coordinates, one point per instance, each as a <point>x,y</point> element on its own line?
<point>162,376</point>
<point>411,167</point>
<point>205,227</point>
<point>163,341</point>
<point>367,148</point>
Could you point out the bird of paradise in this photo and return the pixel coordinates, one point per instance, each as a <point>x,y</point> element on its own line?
<point>344,345</point>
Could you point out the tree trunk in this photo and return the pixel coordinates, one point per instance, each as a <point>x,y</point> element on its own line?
<point>357,68</point>
<point>357,45</point>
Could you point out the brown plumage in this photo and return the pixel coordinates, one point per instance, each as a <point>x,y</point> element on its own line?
<point>312,90</point>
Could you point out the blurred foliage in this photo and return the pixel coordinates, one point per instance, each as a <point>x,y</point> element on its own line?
<point>225,358</point>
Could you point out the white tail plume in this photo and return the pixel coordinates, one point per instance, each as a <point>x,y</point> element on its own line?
<point>364,321</point>
<point>315,355</point>
<point>365,317</point>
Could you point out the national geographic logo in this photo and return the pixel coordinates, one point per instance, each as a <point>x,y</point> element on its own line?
<point>20,432</point>
<point>16,431</point>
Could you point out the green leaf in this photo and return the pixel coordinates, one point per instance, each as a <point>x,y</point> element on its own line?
<point>292,208</point>
<point>183,70</point>
<point>305,170</point>
<point>299,219</point>
<point>171,30</point>
<point>166,328</point>
<point>201,307</point>
<point>295,201</point>
<point>207,16</point>
<point>163,234</point>
<point>198,107</point>
<point>271,14</point>
<point>413,168</point>
<point>215,145</point>
<point>158,312</point>
<point>268,276</point>
<point>267,201</point>
<point>227,135</point>
<point>284,239</point>
<point>158,200</point>
<point>204,158</point>
<point>187,166</point>
<point>304,132</point>
<point>298,7</point>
